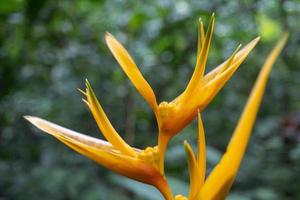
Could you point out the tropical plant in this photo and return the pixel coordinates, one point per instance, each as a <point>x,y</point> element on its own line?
<point>147,165</point>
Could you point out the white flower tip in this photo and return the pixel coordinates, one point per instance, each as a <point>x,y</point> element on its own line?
<point>29,118</point>
<point>257,39</point>
<point>34,120</point>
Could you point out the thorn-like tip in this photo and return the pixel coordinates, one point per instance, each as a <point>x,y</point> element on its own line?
<point>256,40</point>
<point>31,119</point>
<point>87,83</point>
<point>185,143</point>
<point>236,50</point>
<point>85,101</point>
<point>27,117</point>
<point>187,147</point>
<point>81,91</point>
<point>108,35</point>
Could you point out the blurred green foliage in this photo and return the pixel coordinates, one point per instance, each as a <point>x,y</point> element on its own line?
<point>48,48</point>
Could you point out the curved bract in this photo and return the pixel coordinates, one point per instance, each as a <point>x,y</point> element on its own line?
<point>116,154</point>
<point>173,116</point>
<point>147,165</point>
<point>218,183</point>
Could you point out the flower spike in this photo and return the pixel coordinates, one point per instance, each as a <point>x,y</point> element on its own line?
<point>147,165</point>
<point>136,167</point>
<point>210,89</point>
<point>201,60</point>
<point>201,37</point>
<point>116,154</point>
<point>239,57</point>
<point>184,110</point>
<point>201,151</point>
<point>221,178</point>
<point>197,166</point>
<point>173,116</point>
<point>193,170</point>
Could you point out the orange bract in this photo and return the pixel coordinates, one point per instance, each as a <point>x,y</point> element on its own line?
<point>173,116</point>
<point>221,178</point>
<point>147,165</point>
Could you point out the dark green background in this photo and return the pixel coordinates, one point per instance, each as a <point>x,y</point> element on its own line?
<point>48,48</point>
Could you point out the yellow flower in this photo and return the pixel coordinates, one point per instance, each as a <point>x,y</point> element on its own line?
<point>147,165</point>
<point>116,154</point>
<point>218,183</point>
<point>173,116</point>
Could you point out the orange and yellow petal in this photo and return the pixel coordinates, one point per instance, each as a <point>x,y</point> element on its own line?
<point>239,57</point>
<point>130,68</point>
<point>105,154</point>
<point>201,61</point>
<point>185,111</point>
<point>193,170</point>
<point>201,37</point>
<point>104,124</point>
<point>201,151</point>
<point>221,178</point>
<point>197,167</point>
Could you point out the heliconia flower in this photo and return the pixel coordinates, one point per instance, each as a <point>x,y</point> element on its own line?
<point>147,165</point>
<point>116,154</point>
<point>175,115</point>
<point>218,183</point>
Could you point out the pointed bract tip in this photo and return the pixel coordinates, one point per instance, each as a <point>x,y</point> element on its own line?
<point>211,23</point>
<point>213,15</point>
<point>239,46</point>
<point>85,101</point>
<point>81,91</point>
<point>185,142</point>
<point>187,146</point>
<point>257,39</point>
<point>212,18</point>
<point>253,42</point>
<point>87,84</point>
<point>237,49</point>
<point>27,117</point>
<point>108,36</point>
<point>31,119</point>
